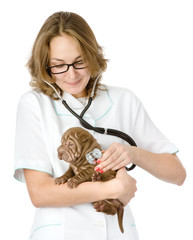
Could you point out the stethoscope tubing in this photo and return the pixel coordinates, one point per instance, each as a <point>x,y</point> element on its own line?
<point>85,124</point>
<point>108,131</point>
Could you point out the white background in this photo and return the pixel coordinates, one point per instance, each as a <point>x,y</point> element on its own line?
<point>150,45</point>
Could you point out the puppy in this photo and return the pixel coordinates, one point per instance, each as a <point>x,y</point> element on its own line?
<point>77,146</point>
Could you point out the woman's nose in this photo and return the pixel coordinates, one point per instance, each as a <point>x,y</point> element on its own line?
<point>71,73</point>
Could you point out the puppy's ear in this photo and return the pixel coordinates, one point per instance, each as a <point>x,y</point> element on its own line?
<point>92,145</point>
<point>81,140</point>
<point>82,136</point>
<point>86,140</point>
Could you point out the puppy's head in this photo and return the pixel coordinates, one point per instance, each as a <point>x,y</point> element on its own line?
<point>76,143</point>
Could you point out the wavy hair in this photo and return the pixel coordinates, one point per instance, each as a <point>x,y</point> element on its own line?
<point>76,27</point>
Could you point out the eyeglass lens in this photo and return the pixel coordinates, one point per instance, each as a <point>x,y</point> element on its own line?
<point>64,67</point>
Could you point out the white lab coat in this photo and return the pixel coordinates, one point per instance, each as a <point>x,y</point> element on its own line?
<point>40,125</point>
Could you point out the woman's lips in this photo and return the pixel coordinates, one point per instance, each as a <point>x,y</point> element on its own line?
<point>73,83</point>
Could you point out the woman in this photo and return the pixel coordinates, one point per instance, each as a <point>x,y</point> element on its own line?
<point>67,55</point>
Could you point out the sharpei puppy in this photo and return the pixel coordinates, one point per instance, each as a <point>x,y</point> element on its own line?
<point>77,145</point>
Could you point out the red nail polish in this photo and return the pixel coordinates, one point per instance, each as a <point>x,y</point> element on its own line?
<point>97,169</point>
<point>98,161</point>
<point>101,171</point>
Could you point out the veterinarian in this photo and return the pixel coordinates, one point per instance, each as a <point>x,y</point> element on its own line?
<point>67,56</point>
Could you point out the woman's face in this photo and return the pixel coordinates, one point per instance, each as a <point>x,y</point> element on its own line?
<point>65,50</point>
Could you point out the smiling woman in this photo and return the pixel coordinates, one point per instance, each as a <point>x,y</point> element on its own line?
<point>71,79</point>
<point>68,57</point>
<point>48,50</point>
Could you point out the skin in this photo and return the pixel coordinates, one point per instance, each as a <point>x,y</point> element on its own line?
<point>41,186</point>
<point>165,166</point>
<point>65,50</point>
<point>45,193</point>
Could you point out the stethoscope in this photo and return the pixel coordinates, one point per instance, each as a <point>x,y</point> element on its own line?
<point>85,124</point>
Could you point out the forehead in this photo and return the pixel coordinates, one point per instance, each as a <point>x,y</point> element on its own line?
<point>65,48</point>
<point>68,136</point>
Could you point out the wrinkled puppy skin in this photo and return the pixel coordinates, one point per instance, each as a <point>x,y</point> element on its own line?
<point>75,144</point>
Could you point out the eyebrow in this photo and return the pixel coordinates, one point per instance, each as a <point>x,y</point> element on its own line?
<point>61,60</point>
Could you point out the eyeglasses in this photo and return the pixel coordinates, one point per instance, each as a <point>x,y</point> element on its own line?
<point>62,68</point>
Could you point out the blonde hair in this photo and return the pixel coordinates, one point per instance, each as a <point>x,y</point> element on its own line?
<point>76,27</point>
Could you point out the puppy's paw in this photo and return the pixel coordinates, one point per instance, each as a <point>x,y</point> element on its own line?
<point>105,207</point>
<point>96,177</point>
<point>61,180</point>
<point>72,183</point>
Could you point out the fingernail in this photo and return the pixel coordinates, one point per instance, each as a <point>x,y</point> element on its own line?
<point>98,161</point>
<point>97,169</point>
<point>101,171</point>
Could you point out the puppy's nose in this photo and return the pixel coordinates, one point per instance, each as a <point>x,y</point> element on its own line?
<point>60,152</point>
<point>60,156</point>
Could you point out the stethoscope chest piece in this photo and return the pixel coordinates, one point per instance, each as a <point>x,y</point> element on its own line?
<point>93,155</point>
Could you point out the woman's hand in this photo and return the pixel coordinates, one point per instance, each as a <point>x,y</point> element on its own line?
<point>165,166</point>
<point>125,185</point>
<point>115,157</point>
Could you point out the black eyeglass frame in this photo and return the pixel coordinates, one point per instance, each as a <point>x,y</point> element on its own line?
<point>49,69</point>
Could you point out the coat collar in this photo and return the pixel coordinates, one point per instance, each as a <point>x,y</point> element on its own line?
<point>99,107</point>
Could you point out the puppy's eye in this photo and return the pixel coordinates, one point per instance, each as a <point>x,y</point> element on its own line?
<point>70,144</point>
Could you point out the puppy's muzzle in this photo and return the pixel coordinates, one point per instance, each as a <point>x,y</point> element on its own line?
<point>63,153</point>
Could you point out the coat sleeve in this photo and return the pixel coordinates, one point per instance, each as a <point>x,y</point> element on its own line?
<point>30,147</point>
<point>146,133</point>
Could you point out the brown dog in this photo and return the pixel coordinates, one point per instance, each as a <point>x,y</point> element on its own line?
<point>76,144</point>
